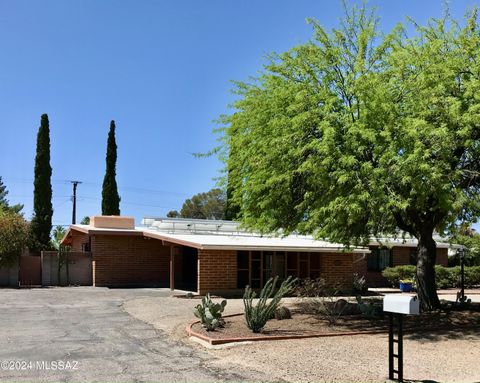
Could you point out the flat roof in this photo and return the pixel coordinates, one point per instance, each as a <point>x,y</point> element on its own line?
<point>225,235</point>
<point>225,241</point>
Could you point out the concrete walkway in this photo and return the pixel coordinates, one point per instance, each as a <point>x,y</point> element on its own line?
<point>88,327</point>
<point>446,294</point>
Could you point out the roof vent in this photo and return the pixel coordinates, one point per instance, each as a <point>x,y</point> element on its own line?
<point>112,222</point>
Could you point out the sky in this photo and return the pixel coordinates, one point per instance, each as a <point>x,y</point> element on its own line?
<point>161,69</point>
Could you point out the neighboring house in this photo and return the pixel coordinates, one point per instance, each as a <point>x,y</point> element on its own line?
<point>218,257</point>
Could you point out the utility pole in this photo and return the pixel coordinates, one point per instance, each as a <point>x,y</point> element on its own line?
<point>74,199</point>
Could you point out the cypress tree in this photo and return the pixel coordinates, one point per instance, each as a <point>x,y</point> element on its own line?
<point>3,194</point>
<point>110,197</point>
<point>41,224</point>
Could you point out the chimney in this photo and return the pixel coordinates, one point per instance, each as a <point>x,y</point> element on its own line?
<point>112,222</point>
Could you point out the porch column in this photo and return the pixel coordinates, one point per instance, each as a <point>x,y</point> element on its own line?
<point>172,268</point>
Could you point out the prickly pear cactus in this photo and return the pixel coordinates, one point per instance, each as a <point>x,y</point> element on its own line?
<point>210,313</point>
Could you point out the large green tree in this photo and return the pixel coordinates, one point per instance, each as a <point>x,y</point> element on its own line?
<point>110,197</point>
<point>3,199</point>
<point>13,236</point>
<point>209,205</point>
<point>41,224</point>
<point>358,134</point>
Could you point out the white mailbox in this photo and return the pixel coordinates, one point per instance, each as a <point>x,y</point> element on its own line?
<point>401,304</point>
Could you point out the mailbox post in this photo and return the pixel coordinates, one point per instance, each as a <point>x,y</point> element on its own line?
<point>398,305</point>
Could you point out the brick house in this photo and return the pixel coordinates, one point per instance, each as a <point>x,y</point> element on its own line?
<point>216,256</point>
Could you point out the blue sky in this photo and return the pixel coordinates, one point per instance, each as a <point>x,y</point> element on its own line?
<point>160,69</point>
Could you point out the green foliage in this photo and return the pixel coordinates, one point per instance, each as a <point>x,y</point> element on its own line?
<point>451,276</point>
<point>57,236</point>
<point>41,223</point>
<point>446,277</point>
<point>359,133</point>
<point>282,313</point>
<point>110,197</point>
<point>268,301</point>
<point>85,220</point>
<point>63,252</point>
<point>397,273</point>
<point>369,309</point>
<point>13,236</point>
<point>210,313</point>
<point>173,214</point>
<point>209,205</point>
<point>472,252</point>
<point>4,202</point>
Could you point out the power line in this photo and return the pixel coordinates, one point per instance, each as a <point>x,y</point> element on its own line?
<point>128,188</point>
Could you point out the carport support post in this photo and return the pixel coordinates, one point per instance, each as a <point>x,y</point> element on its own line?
<point>172,268</point>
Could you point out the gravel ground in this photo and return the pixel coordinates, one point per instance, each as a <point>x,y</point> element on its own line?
<point>448,357</point>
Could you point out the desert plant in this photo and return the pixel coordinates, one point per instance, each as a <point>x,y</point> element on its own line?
<point>283,313</point>
<point>329,306</point>
<point>359,284</point>
<point>258,315</point>
<point>308,287</point>
<point>369,309</point>
<point>210,313</point>
<point>397,273</point>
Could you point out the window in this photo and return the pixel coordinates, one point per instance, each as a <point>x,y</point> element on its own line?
<point>243,273</point>
<point>379,259</point>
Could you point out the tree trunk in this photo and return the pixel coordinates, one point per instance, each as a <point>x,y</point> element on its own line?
<point>426,284</point>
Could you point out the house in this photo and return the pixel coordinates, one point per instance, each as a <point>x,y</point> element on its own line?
<point>219,257</point>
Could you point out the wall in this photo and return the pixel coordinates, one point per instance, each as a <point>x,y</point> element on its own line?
<point>129,261</point>
<point>9,275</point>
<point>78,240</point>
<point>79,267</point>
<point>337,269</point>
<point>217,271</point>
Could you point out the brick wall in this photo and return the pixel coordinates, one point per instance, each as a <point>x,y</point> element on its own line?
<point>130,261</point>
<point>217,271</point>
<point>78,239</point>
<point>338,268</point>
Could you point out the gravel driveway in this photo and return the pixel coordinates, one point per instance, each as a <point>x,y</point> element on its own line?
<point>88,327</point>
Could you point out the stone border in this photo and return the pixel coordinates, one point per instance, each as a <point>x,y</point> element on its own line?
<point>218,341</point>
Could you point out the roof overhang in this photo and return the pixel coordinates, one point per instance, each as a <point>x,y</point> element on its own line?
<point>192,241</point>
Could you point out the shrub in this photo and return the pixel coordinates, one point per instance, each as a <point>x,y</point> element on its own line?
<point>257,316</point>
<point>446,277</point>
<point>370,309</point>
<point>283,313</point>
<point>308,287</point>
<point>397,273</point>
<point>210,313</point>
<point>472,276</point>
